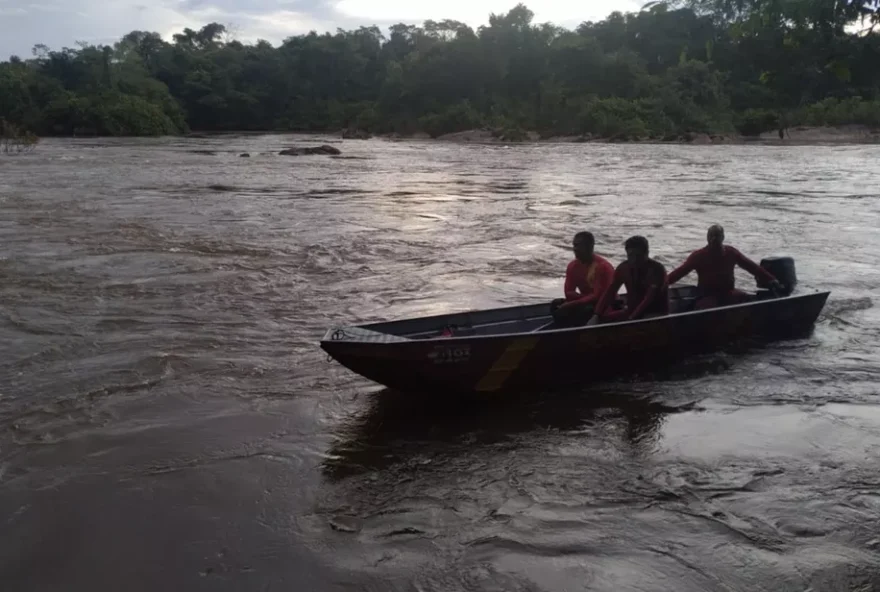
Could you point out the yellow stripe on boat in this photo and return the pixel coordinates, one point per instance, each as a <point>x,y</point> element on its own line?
<point>507,363</point>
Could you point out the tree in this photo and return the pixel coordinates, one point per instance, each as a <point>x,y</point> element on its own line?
<point>675,67</point>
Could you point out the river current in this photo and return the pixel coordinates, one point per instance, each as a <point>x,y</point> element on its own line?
<point>168,422</point>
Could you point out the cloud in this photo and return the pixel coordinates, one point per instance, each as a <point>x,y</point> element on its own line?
<point>476,12</point>
<point>58,23</point>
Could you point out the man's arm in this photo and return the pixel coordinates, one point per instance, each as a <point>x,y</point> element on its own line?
<point>610,294</point>
<point>685,268</point>
<point>601,282</point>
<point>653,292</point>
<point>571,291</point>
<point>752,267</point>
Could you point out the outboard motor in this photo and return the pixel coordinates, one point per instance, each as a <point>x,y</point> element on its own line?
<point>783,270</point>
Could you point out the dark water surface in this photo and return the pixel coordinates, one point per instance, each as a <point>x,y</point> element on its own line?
<point>167,421</point>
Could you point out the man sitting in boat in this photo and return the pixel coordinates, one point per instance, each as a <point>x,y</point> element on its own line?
<point>714,265</point>
<point>586,280</point>
<point>646,286</point>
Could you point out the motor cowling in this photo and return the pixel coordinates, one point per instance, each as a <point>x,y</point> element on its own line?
<point>783,270</point>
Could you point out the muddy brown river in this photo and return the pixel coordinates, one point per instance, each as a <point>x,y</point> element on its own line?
<point>168,422</point>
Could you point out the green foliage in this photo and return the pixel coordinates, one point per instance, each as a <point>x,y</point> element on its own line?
<point>91,90</point>
<point>839,112</point>
<point>513,134</point>
<point>613,118</point>
<point>109,113</point>
<point>822,15</point>
<point>675,68</point>
<point>457,118</point>
<point>126,115</point>
<point>754,122</point>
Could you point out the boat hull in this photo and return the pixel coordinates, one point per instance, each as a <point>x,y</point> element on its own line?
<point>542,360</point>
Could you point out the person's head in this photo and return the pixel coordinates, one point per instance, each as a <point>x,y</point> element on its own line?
<point>583,246</point>
<point>715,236</point>
<point>636,249</point>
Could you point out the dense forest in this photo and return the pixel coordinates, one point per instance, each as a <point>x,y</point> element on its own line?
<point>706,66</point>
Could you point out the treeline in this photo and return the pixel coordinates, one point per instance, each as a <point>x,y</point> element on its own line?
<point>705,66</point>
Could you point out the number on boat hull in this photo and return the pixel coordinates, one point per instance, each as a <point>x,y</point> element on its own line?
<point>450,355</point>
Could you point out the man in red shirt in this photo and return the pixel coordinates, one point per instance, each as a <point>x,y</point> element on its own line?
<point>645,281</point>
<point>586,279</point>
<point>714,265</point>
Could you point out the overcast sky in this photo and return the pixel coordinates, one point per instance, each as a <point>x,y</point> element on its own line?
<point>59,23</point>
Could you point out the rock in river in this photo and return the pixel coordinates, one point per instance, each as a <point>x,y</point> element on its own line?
<point>325,149</point>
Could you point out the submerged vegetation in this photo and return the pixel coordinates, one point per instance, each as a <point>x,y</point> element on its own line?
<point>675,68</point>
<point>14,140</point>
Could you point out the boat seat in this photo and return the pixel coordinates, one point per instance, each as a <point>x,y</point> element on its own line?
<point>682,305</point>
<point>764,295</point>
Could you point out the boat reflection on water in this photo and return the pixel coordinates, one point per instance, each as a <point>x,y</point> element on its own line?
<point>397,427</point>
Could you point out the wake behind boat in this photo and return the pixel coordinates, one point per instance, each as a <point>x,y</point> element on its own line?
<point>518,348</point>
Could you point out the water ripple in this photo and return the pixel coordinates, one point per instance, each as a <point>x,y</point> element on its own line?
<point>161,389</point>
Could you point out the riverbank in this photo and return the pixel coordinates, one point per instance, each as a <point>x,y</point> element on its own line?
<point>802,135</point>
<point>795,136</point>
